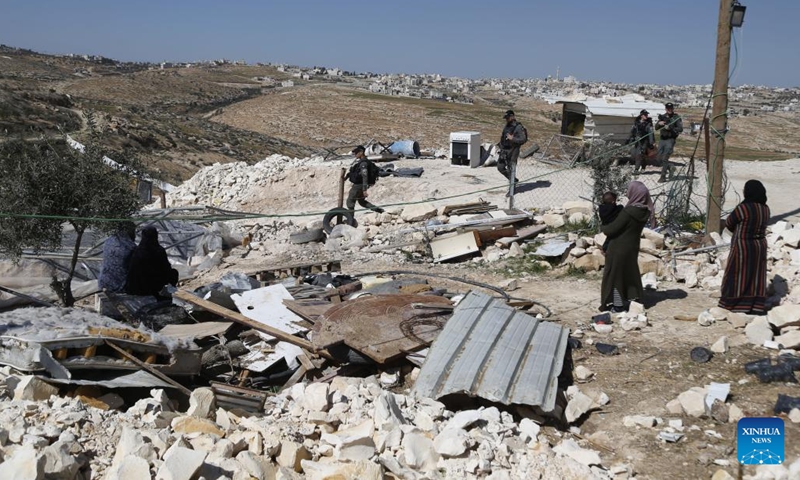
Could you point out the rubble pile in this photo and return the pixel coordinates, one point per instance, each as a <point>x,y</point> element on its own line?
<point>231,184</point>
<point>350,428</point>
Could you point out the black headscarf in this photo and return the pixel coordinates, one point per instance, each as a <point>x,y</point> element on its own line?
<point>755,192</point>
<point>149,238</point>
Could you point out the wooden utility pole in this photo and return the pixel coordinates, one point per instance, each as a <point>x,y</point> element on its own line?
<point>719,118</point>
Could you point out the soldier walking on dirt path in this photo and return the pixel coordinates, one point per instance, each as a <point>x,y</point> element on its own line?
<point>363,174</point>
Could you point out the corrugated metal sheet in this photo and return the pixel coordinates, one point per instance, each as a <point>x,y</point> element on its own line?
<point>490,350</point>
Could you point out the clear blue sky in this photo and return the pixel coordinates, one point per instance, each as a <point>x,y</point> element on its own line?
<point>664,41</point>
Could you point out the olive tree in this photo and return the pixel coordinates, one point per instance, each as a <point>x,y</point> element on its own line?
<point>45,185</point>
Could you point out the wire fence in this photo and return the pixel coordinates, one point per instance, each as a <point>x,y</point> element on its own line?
<point>565,171</point>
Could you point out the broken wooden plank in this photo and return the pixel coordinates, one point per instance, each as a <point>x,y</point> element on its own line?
<point>296,377</point>
<point>309,310</point>
<point>149,368</point>
<point>448,248</point>
<point>522,234</point>
<point>306,362</point>
<point>239,318</point>
<point>489,235</point>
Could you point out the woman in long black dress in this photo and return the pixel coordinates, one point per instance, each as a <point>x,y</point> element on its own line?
<point>744,286</point>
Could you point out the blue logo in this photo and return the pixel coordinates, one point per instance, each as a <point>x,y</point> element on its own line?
<point>760,441</point>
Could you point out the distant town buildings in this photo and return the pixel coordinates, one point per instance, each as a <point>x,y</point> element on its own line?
<point>744,99</point>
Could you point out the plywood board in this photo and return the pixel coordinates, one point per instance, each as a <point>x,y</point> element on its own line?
<point>265,306</point>
<point>448,248</point>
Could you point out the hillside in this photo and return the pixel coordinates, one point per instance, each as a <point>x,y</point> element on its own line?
<point>182,118</point>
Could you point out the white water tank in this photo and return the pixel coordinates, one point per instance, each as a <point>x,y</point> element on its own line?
<point>465,149</point>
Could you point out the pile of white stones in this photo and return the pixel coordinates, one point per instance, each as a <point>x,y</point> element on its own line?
<point>229,184</point>
<point>350,428</point>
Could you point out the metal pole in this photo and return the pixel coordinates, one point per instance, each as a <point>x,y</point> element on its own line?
<point>719,118</point>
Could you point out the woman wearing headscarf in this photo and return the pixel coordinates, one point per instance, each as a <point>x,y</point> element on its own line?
<point>622,281</point>
<point>150,269</point>
<point>744,286</point>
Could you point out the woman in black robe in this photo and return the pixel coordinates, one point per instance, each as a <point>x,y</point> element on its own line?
<point>149,269</point>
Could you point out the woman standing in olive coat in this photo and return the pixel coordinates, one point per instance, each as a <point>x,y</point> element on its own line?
<point>622,281</point>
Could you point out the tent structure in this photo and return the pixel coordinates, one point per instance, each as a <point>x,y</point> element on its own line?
<point>609,118</point>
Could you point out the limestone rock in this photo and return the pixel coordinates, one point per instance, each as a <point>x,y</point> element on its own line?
<point>583,374</point>
<point>33,389</point>
<point>577,252</point>
<point>579,405</point>
<point>790,339</point>
<point>24,464</point>
<point>292,454</point>
<point>578,206</point>
<point>649,264</point>
<point>589,263</point>
<point>451,442</point>
<point>201,403</point>
<point>759,331</point>
<point>674,407</point>
<point>129,468</point>
<point>316,397</point>
<point>693,402</point>
<point>387,412</point>
<point>630,323</point>
<point>721,345</point>
<point>571,449</point>
<point>655,237</point>
<point>734,413</point>
<point>553,220</point>
<point>464,419</point>
<point>419,452</point>
<point>784,315</point>
<point>180,463</point>
<point>60,464</point>
<point>333,471</point>
<point>418,213</point>
<point>600,239</point>
<point>739,320</point>
<point>794,415</point>
<point>515,251</point>
<point>683,270</point>
<point>650,281</point>
<point>721,474</point>
<point>791,237</point>
<point>705,319</point>
<point>635,309</point>
<point>528,430</point>
<point>719,314</point>
<point>132,443</point>
<point>354,443</point>
<point>189,425</point>
<point>639,421</point>
<point>256,466</point>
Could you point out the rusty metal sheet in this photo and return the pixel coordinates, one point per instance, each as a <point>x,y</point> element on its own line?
<point>492,351</point>
<point>383,327</point>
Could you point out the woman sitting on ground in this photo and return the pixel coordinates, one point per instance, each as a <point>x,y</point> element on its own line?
<point>622,281</point>
<point>149,269</point>
<point>744,286</point>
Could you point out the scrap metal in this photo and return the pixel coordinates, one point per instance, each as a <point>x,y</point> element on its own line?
<point>495,352</point>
